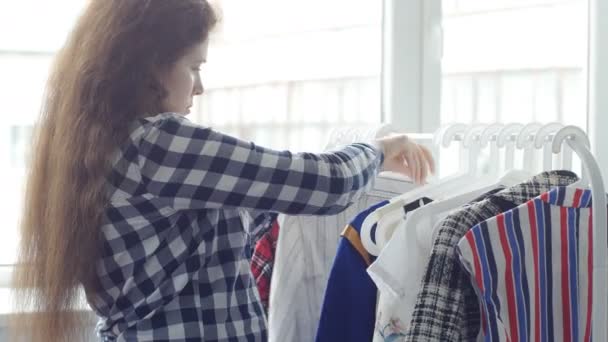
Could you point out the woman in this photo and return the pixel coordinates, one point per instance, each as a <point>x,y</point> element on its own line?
<point>142,208</point>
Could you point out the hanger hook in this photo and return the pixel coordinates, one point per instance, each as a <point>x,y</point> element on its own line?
<point>488,133</point>
<point>507,132</point>
<point>448,134</point>
<point>573,133</point>
<point>569,132</point>
<point>544,132</point>
<point>473,135</point>
<point>523,139</point>
<point>384,130</point>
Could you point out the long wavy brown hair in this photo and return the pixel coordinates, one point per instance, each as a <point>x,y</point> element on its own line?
<point>101,80</point>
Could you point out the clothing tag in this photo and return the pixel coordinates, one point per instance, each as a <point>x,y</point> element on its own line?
<point>416,204</point>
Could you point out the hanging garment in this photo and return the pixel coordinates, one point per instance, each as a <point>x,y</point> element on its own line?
<point>349,305</point>
<point>258,225</point>
<point>304,256</point>
<point>262,262</point>
<point>531,268</point>
<point>398,272</point>
<point>446,306</point>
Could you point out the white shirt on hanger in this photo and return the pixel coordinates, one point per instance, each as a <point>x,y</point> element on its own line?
<point>397,273</point>
<point>305,253</point>
<point>398,270</point>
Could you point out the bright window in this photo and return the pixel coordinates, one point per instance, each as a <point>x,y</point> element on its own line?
<point>282,73</point>
<point>514,61</point>
<point>26,51</point>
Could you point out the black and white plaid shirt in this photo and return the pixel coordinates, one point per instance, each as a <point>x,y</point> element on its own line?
<point>173,266</point>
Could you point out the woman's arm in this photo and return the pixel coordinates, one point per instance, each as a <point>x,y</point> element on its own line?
<point>199,168</point>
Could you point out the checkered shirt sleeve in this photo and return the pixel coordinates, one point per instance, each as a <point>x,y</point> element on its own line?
<point>199,168</point>
<point>173,265</point>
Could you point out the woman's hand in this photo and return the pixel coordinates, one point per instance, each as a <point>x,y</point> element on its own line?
<point>402,155</point>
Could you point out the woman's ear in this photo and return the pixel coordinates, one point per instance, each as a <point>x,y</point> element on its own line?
<point>156,78</point>
<point>156,81</point>
<point>155,92</point>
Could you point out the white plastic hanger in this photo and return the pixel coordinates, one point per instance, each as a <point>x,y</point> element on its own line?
<point>443,137</point>
<point>448,134</point>
<point>468,184</point>
<point>474,138</point>
<point>483,184</point>
<point>505,140</point>
<point>388,224</point>
<point>438,209</point>
<point>525,141</point>
<point>579,142</point>
<point>472,144</point>
<point>566,160</point>
<point>509,179</point>
<point>489,136</point>
<point>566,157</point>
<point>468,177</point>
<point>543,142</point>
<point>346,135</point>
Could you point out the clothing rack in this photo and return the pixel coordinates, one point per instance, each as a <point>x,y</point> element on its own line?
<point>560,139</point>
<point>552,138</point>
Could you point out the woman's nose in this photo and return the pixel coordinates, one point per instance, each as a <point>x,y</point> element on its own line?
<point>198,88</point>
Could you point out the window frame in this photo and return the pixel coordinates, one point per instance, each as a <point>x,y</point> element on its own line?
<point>597,124</point>
<point>411,64</point>
<point>411,74</point>
<point>411,77</point>
<point>596,105</point>
<point>5,275</point>
<point>7,269</point>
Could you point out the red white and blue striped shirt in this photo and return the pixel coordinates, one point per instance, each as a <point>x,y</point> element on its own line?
<point>532,269</point>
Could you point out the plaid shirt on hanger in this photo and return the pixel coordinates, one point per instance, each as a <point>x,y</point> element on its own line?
<point>261,225</point>
<point>172,267</point>
<point>447,308</point>
<point>262,261</point>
